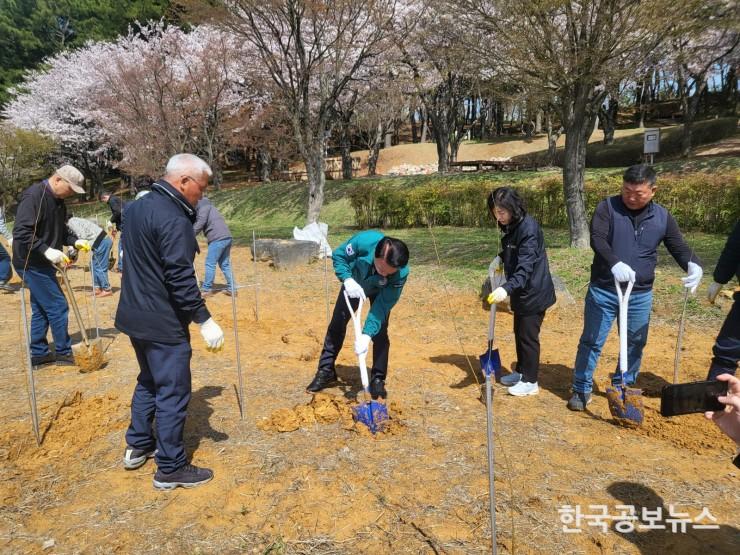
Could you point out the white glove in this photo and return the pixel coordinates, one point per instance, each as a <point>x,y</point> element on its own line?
<point>55,256</point>
<point>109,226</point>
<point>499,295</point>
<point>622,272</point>
<point>82,245</point>
<point>693,277</point>
<point>354,290</point>
<point>361,344</point>
<point>714,290</point>
<point>213,335</point>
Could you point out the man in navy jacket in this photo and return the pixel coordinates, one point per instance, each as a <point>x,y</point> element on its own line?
<point>626,231</point>
<point>726,348</point>
<point>159,300</point>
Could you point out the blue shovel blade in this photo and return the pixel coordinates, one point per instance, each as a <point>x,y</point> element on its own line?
<point>490,363</point>
<point>372,414</point>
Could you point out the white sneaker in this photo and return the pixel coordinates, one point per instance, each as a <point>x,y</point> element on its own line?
<point>522,389</point>
<point>511,379</point>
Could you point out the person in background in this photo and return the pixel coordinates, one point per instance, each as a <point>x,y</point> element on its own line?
<point>372,266</point>
<point>528,283</point>
<point>210,221</point>
<point>94,238</point>
<point>726,348</point>
<point>626,230</point>
<point>39,235</point>
<point>159,301</point>
<point>6,271</point>
<point>115,224</point>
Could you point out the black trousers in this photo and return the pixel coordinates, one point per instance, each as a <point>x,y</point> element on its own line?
<point>527,339</point>
<point>338,330</point>
<point>726,348</point>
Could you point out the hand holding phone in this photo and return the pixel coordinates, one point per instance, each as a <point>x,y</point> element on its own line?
<point>728,420</point>
<point>687,398</point>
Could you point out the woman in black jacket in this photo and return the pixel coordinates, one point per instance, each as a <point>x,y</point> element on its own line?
<point>528,283</point>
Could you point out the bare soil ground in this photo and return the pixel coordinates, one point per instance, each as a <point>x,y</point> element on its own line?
<point>327,488</point>
<point>507,147</point>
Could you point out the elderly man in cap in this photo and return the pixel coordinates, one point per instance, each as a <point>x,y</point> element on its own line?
<point>39,234</point>
<point>159,300</point>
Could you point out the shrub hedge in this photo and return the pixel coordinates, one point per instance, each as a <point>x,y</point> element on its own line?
<point>699,201</point>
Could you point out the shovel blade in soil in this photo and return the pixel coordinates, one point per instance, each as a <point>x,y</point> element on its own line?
<point>626,404</point>
<point>89,358</point>
<point>372,414</point>
<point>490,363</point>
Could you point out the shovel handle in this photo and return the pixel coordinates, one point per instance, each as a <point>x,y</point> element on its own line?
<point>361,359</point>
<point>624,299</point>
<point>73,302</point>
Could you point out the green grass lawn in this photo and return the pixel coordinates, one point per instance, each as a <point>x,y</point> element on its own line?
<point>273,209</point>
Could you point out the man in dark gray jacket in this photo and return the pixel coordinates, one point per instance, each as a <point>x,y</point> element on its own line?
<point>217,233</point>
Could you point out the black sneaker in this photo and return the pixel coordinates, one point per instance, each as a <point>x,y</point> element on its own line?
<point>65,360</point>
<point>134,458</point>
<point>43,360</point>
<point>322,379</point>
<point>188,476</point>
<point>377,388</point>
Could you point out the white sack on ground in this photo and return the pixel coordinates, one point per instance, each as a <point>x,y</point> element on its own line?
<point>316,232</point>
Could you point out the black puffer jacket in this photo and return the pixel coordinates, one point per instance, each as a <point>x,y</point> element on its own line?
<point>159,292</point>
<point>528,279</point>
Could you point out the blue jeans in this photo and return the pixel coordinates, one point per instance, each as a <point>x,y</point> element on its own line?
<point>48,308</point>
<point>162,390</point>
<point>100,263</point>
<point>5,272</point>
<point>602,307</point>
<point>218,253</point>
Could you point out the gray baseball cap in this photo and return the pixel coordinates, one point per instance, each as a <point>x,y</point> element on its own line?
<point>73,176</point>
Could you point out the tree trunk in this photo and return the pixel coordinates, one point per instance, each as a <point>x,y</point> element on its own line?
<point>578,123</point>
<point>552,140</point>
<point>442,140</point>
<point>538,122</point>
<point>315,166</point>
<point>265,165</point>
<point>389,137</point>
<point>608,119</point>
<point>424,125</point>
<point>346,149</point>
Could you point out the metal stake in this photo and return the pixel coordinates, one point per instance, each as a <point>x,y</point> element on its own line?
<point>679,339</point>
<point>31,381</point>
<point>491,487</point>
<point>256,282</point>
<point>236,342</point>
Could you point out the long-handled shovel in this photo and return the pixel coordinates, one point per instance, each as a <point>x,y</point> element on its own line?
<point>625,404</point>
<point>89,356</point>
<point>370,413</point>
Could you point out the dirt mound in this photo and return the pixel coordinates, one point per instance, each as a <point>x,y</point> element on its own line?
<point>326,409</point>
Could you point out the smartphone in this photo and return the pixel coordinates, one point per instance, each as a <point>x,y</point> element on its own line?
<point>687,398</point>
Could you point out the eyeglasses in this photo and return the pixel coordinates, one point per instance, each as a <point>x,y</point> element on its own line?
<point>198,183</point>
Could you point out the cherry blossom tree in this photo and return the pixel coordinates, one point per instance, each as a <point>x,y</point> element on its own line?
<point>59,102</point>
<point>310,51</point>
